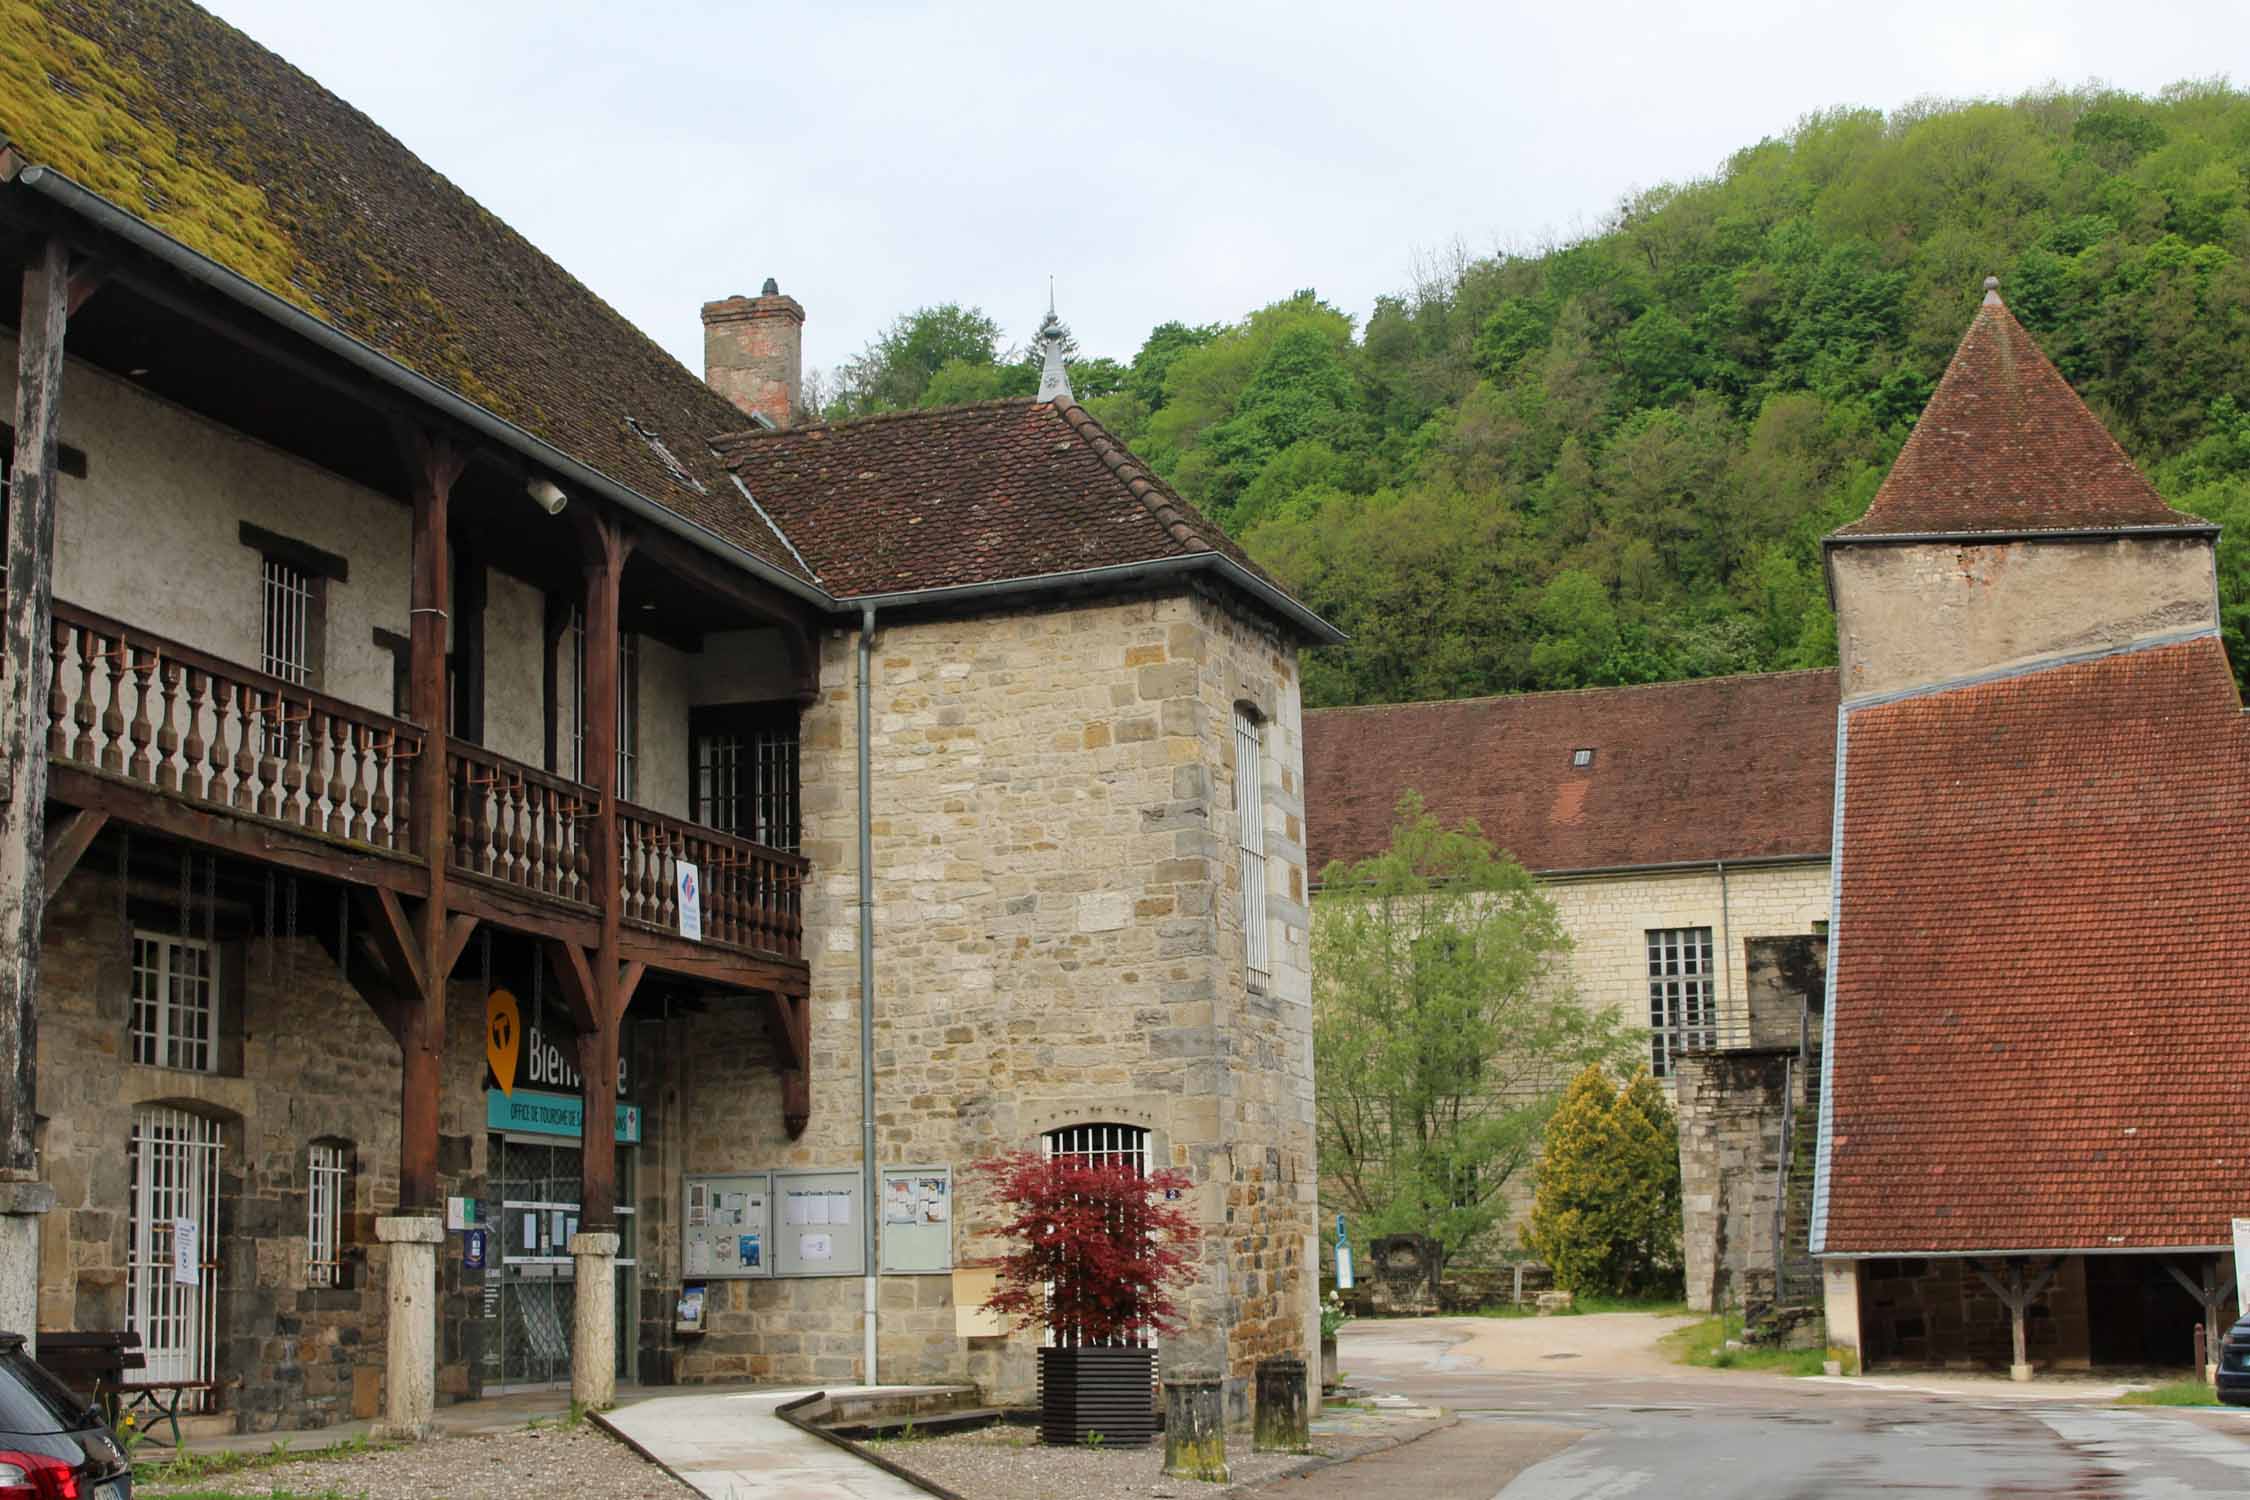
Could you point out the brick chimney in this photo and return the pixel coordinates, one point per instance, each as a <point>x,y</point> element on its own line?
<point>753,352</point>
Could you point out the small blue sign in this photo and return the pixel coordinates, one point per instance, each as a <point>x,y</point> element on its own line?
<point>472,1249</point>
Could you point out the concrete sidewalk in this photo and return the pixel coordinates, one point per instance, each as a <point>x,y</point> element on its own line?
<point>733,1447</point>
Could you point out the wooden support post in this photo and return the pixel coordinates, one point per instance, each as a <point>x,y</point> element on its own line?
<point>28,642</point>
<point>2017,1291</point>
<point>2212,1290</point>
<point>435,465</point>
<point>604,549</point>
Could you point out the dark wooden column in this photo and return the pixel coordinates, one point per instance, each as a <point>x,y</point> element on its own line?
<point>23,737</point>
<point>435,465</point>
<point>605,550</point>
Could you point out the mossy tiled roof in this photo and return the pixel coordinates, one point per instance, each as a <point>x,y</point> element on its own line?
<point>177,117</point>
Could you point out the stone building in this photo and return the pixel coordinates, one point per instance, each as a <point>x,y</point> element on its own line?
<point>1675,826</point>
<point>2029,1147</point>
<point>436,720</point>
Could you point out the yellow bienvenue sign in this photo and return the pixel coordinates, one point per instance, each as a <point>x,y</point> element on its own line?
<point>503,1037</point>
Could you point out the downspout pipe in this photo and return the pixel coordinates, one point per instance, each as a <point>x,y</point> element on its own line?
<point>867,979</point>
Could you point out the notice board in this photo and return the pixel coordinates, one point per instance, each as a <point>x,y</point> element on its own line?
<point>818,1224</point>
<point>726,1226</point>
<point>917,1226</point>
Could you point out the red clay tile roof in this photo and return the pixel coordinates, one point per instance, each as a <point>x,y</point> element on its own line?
<point>2005,445</point>
<point>1723,768</point>
<point>965,494</point>
<point>2037,993</point>
<point>319,205</point>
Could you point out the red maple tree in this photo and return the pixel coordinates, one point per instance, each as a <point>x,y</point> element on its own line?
<point>1098,1247</point>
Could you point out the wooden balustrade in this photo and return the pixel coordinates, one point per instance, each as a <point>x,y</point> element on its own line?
<point>183,723</point>
<point>518,825</point>
<point>138,707</point>
<point>751,896</point>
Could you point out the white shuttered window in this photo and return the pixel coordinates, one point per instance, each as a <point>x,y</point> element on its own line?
<point>1250,810</point>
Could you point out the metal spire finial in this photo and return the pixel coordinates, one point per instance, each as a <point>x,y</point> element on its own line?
<point>1054,380</point>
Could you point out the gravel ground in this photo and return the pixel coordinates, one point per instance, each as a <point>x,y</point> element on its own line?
<point>1010,1463</point>
<point>581,1463</point>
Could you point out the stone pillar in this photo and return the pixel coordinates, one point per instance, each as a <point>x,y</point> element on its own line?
<point>593,1341</point>
<point>1284,1425</point>
<point>21,1205</point>
<point>411,1333</point>
<point>1195,1426</point>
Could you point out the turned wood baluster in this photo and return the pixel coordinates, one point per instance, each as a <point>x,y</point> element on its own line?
<point>339,776</point>
<point>58,697</point>
<point>168,737</point>
<point>141,662</point>
<point>273,738</point>
<point>535,848</point>
<point>219,758</point>
<point>82,749</point>
<point>243,698</point>
<point>113,717</point>
<point>357,824</point>
<point>519,813</point>
<point>581,867</point>
<point>382,769</point>
<point>314,739</point>
<point>477,819</point>
<point>195,779</point>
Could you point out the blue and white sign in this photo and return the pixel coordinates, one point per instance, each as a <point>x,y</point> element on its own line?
<point>527,1113</point>
<point>1343,1257</point>
<point>691,900</point>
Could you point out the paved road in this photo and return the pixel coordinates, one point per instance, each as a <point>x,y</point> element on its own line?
<point>1654,1433</point>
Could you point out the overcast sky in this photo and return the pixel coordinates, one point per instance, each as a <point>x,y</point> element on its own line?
<point>1160,160</point>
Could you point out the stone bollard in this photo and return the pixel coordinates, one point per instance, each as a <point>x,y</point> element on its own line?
<point>593,1344</point>
<point>1283,1423</point>
<point>22,1204</point>
<point>1195,1426</point>
<point>1555,1302</point>
<point>410,1333</point>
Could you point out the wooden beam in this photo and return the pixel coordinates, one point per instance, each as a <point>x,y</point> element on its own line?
<point>393,934</point>
<point>86,278</point>
<point>459,928</point>
<point>763,603</point>
<point>629,980</point>
<point>742,971</point>
<point>67,843</point>
<point>232,831</point>
<point>26,652</point>
<point>576,980</point>
<point>520,910</point>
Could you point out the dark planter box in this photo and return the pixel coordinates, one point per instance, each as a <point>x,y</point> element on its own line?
<point>1109,1391</point>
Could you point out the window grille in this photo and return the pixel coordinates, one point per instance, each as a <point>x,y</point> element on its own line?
<point>1099,1145</point>
<point>1250,810</point>
<point>1683,1008</point>
<point>746,784</point>
<point>175,1006</point>
<point>173,1168</point>
<point>327,1182</point>
<point>628,705</point>
<point>287,649</point>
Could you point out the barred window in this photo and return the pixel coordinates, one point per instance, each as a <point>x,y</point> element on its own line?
<point>628,705</point>
<point>327,1203</point>
<point>1683,1007</point>
<point>1250,817</point>
<point>746,772</point>
<point>175,1004</point>
<point>1099,1145</point>
<point>286,649</point>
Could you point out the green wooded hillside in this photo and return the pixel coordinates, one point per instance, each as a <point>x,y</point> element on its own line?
<point>1612,461</point>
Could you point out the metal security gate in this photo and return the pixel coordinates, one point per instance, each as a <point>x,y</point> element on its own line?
<point>173,1162</point>
<point>530,1279</point>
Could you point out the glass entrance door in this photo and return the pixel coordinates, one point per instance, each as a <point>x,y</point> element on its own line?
<point>530,1278</point>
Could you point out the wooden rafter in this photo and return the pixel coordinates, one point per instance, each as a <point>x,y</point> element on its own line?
<point>67,843</point>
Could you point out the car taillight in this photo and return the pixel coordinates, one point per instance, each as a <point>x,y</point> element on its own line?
<point>35,1476</point>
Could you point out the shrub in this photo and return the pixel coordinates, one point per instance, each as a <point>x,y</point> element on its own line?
<point>1606,1214</point>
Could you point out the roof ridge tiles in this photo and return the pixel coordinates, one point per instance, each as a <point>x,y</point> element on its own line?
<point>1621,687</point>
<point>1162,503</point>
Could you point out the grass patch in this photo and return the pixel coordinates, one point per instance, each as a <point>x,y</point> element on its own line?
<point>185,1468</point>
<point>1705,1343</point>
<point>2172,1393</point>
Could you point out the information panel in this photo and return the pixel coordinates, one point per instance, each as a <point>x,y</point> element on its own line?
<point>817,1224</point>
<point>727,1227</point>
<point>917,1227</point>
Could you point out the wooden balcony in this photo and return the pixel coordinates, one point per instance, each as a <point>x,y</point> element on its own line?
<point>164,736</point>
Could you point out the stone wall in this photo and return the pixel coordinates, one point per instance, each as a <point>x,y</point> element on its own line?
<point>1058,931</point>
<point>1939,1313</point>
<point>1912,614</point>
<point>301,1058</point>
<point>1735,1109</point>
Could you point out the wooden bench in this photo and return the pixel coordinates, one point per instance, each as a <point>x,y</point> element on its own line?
<point>101,1363</point>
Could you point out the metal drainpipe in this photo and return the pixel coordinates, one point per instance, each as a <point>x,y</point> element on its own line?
<point>1726,951</point>
<point>867,980</point>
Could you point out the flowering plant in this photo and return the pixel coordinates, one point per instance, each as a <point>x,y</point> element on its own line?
<point>1097,1247</point>
<point>1332,1314</point>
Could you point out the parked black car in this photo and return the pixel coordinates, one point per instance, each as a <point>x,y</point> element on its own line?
<point>2234,1365</point>
<point>53,1445</point>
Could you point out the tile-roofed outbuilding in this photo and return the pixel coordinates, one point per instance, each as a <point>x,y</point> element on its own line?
<point>185,122</point>
<point>2036,992</point>
<point>1723,768</point>
<point>2005,446</point>
<point>956,495</point>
